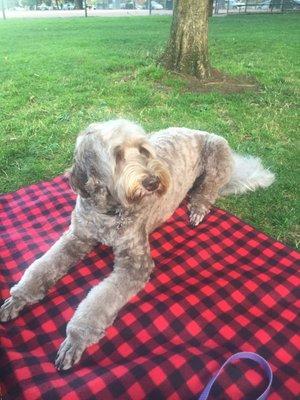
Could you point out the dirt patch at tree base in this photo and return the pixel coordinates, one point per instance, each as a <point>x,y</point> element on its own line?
<point>222,83</point>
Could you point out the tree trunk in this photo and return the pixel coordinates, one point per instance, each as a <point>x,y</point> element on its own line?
<point>210,8</point>
<point>3,10</point>
<point>79,4</point>
<point>187,49</point>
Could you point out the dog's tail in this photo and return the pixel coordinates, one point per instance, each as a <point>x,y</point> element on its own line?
<point>248,174</point>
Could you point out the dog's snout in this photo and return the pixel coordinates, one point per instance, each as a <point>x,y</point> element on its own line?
<point>151,183</point>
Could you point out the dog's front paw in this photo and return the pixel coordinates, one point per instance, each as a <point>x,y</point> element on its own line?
<point>10,309</point>
<point>197,214</point>
<point>69,353</point>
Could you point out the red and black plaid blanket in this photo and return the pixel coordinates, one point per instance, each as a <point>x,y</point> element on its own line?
<point>216,290</point>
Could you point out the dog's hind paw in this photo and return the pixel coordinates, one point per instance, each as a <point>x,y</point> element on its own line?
<point>10,309</point>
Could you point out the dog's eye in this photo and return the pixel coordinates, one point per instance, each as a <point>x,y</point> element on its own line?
<point>144,151</point>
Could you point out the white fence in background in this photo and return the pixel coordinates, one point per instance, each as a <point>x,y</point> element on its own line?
<point>113,8</point>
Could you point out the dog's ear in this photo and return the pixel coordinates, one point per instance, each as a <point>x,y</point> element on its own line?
<point>83,179</point>
<point>118,153</point>
<point>78,179</point>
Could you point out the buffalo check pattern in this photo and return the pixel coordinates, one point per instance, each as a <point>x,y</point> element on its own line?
<point>216,290</point>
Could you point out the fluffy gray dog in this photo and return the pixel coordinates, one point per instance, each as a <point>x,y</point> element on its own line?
<point>128,184</point>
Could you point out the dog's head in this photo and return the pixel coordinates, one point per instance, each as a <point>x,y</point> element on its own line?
<point>115,161</point>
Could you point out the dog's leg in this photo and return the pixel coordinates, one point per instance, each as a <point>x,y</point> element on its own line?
<point>98,310</point>
<point>43,273</point>
<point>218,164</point>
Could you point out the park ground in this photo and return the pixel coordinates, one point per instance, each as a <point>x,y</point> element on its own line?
<point>58,75</point>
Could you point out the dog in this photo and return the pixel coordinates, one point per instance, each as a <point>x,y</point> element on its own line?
<point>127,184</point>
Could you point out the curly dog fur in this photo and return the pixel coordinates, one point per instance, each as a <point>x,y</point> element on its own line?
<point>128,184</point>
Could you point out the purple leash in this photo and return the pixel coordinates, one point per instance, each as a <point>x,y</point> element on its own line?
<point>250,356</point>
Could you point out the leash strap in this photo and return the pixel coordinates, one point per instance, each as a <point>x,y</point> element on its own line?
<point>247,355</point>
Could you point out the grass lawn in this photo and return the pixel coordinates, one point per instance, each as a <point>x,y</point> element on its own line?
<point>58,75</point>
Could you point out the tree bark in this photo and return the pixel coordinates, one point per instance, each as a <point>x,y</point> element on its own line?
<point>210,8</point>
<point>3,10</point>
<point>79,4</point>
<point>187,49</point>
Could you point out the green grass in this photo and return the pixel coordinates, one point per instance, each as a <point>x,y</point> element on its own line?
<point>58,75</point>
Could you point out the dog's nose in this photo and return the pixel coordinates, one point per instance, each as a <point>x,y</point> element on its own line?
<point>151,183</point>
